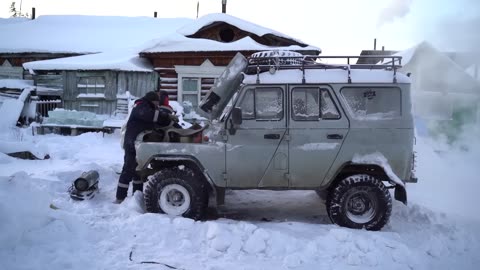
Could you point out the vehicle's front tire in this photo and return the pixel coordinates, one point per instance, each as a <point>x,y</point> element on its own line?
<point>359,202</point>
<point>176,192</point>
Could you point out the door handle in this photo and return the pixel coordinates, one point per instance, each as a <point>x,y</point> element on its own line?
<point>334,136</point>
<point>271,136</point>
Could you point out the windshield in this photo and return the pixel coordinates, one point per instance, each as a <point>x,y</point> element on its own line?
<point>229,106</point>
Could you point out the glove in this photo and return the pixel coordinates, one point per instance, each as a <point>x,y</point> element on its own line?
<point>173,117</point>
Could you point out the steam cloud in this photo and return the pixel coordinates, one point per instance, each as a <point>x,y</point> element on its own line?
<point>396,9</point>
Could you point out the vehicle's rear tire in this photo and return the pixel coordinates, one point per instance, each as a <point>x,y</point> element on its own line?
<point>176,192</point>
<point>359,202</point>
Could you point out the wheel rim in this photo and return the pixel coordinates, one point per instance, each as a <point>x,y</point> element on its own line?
<point>174,200</point>
<point>361,205</point>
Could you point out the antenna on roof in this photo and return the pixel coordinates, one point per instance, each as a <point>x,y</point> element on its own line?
<point>198,7</point>
<point>224,6</point>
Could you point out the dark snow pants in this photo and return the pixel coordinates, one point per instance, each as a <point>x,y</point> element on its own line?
<point>128,174</point>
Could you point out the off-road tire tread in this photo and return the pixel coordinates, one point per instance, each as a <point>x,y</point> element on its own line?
<point>335,202</point>
<point>184,177</point>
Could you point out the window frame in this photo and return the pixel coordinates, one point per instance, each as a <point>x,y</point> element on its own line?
<point>83,88</point>
<point>204,71</point>
<point>254,89</point>
<point>372,87</point>
<point>320,113</point>
<point>197,93</point>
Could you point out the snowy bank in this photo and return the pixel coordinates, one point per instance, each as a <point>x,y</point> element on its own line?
<point>254,230</point>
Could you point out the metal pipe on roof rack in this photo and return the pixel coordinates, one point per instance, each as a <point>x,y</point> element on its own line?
<point>303,72</point>
<point>395,70</point>
<point>349,75</point>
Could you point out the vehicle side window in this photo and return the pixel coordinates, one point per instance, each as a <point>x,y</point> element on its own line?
<point>373,103</point>
<point>305,104</point>
<point>311,104</point>
<point>265,103</point>
<point>247,105</point>
<point>328,108</point>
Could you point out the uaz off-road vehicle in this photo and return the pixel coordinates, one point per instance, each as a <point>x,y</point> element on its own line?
<point>281,121</point>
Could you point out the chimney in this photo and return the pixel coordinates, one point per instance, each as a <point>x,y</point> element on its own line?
<point>33,13</point>
<point>154,14</point>
<point>224,6</point>
<point>383,48</point>
<point>374,44</point>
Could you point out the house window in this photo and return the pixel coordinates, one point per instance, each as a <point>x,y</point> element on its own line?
<point>226,35</point>
<point>194,82</point>
<point>191,90</point>
<point>91,85</point>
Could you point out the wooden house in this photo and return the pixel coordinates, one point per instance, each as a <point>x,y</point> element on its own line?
<point>440,86</point>
<point>181,56</point>
<point>96,83</point>
<point>189,63</point>
<point>63,37</point>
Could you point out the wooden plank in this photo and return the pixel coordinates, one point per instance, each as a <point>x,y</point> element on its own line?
<point>11,72</point>
<point>70,92</point>
<point>111,85</point>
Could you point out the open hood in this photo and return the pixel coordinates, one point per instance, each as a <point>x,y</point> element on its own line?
<point>224,88</point>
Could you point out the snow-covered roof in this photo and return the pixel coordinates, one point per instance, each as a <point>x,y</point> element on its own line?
<point>407,54</point>
<point>113,43</point>
<point>209,19</point>
<point>327,76</point>
<point>5,21</point>
<point>82,34</point>
<point>474,71</point>
<point>436,68</point>
<point>180,43</point>
<point>15,83</point>
<point>125,60</point>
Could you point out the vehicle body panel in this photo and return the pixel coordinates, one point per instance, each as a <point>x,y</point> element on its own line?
<point>257,154</point>
<point>314,145</point>
<point>289,153</point>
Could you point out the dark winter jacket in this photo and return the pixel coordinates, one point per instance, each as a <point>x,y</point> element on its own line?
<point>142,118</point>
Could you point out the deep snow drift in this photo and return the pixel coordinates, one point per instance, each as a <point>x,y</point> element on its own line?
<point>42,228</point>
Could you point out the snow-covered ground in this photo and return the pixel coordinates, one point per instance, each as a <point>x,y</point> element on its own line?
<point>42,228</point>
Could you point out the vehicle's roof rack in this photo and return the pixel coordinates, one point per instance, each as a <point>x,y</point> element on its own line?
<point>259,63</point>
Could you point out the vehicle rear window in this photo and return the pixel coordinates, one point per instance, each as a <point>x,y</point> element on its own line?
<point>373,103</point>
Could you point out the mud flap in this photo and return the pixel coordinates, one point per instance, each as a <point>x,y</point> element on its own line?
<point>400,194</point>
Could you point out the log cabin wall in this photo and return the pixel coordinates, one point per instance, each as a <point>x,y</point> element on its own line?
<point>98,91</point>
<point>165,63</point>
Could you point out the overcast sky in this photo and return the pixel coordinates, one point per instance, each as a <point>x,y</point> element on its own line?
<point>336,26</point>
